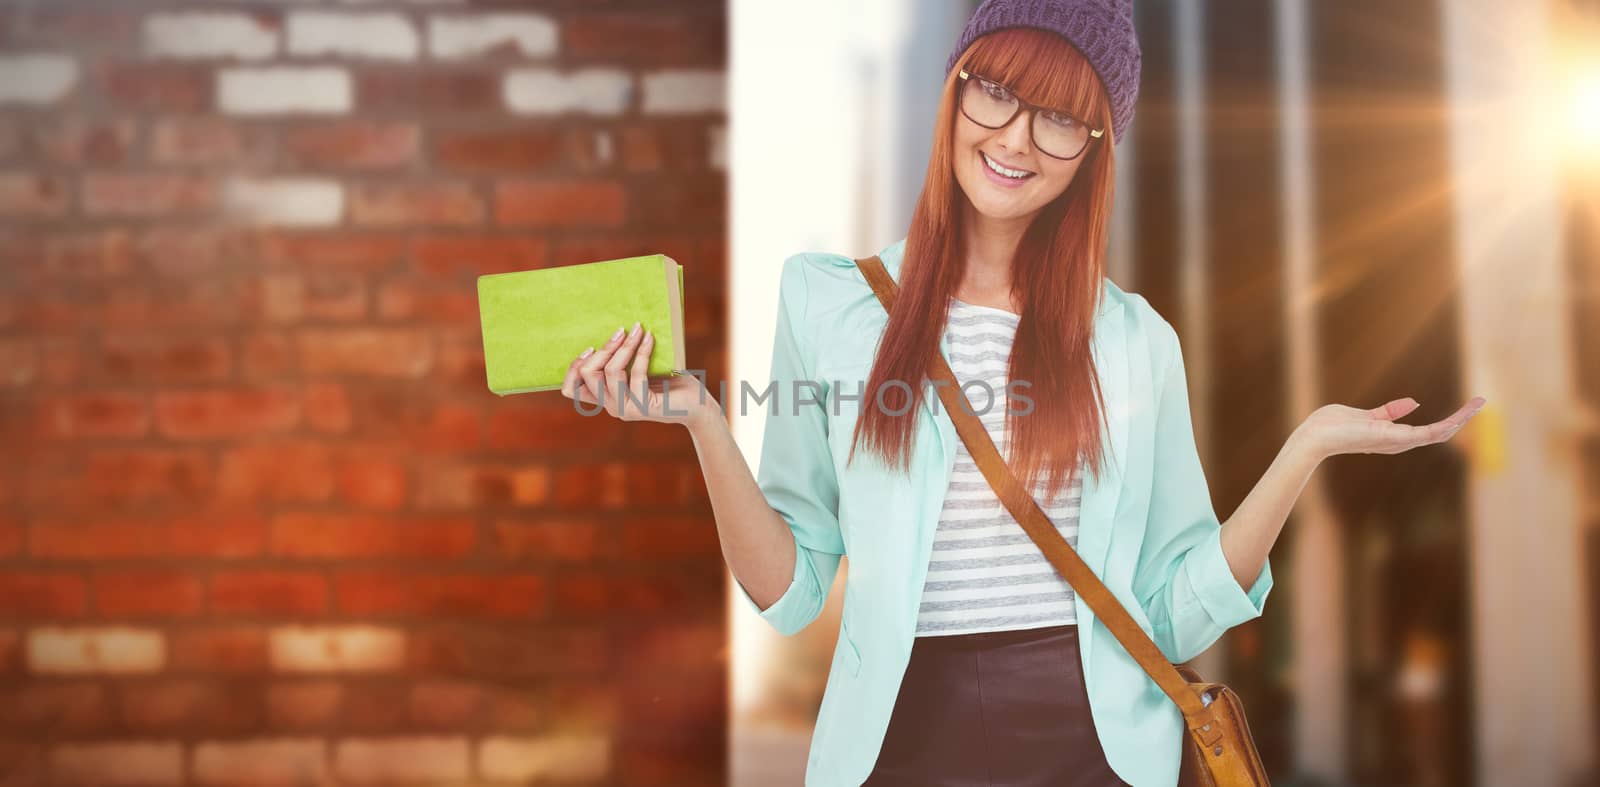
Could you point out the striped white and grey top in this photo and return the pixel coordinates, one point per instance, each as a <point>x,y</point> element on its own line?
<point>986,574</point>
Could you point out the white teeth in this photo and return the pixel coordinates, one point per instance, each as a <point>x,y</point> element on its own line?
<point>1010,173</point>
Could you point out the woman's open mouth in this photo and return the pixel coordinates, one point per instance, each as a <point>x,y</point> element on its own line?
<point>1004,176</point>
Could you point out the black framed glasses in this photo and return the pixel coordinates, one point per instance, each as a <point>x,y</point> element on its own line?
<point>1056,133</point>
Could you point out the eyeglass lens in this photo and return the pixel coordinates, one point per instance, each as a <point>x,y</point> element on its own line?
<point>991,105</point>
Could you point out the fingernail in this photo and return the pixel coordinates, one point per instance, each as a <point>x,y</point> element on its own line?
<point>618,333</point>
<point>635,331</point>
<point>587,353</point>
<point>649,337</point>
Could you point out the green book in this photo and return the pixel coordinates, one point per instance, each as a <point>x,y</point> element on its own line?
<point>536,322</point>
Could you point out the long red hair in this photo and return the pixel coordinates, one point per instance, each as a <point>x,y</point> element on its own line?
<point>1056,276</point>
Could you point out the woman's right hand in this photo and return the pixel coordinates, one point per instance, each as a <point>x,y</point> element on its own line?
<point>616,374</point>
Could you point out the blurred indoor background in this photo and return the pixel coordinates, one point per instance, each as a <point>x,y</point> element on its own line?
<point>261,521</point>
<point>1349,202</point>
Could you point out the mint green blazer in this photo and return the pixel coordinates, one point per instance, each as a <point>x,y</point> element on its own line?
<point>1147,527</point>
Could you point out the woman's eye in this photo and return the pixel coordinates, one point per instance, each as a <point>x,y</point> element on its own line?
<point>1064,121</point>
<point>995,91</point>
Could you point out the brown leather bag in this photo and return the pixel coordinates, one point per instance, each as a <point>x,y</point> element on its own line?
<point>1220,750</point>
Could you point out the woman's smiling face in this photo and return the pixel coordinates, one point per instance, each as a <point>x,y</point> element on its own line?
<point>1011,148</point>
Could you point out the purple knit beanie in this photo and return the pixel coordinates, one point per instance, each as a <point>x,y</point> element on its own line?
<point>1101,29</point>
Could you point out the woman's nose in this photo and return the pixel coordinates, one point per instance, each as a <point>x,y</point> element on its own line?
<point>1018,134</point>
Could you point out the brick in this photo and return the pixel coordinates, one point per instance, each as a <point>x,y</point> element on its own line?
<point>663,538</point>
<point>277,471</point>
<point>385,593</point>
<point>202,34</point>
<point>81,141</point>
<point>498,151</point>
<point>374,708</point>
<point>149,593</point>
<point>684,91</point>
<point>20,363</point>
<point>466,257</point>
<point>163,358</point>
<point>267,355</point>
<point>284,201</point>
<point>660,146</point>
<point>459,371</point>
<point>226,649</point>
<point>199,141</point>
<point>556,540</point>
<point>29,195</point>
<point>343,250</point>
<point>430,92</point>
<point>269,593</point>
<point>604,485</point>
<point>111,649</point>
<point>56,708</point>
<point>387,36</point>
<point>13,535</point>
<point>469,486</point>
<point>355,648</point>
<point>25,761</point>
<point>683,201</point>
<point>415,302</point>
<point>267,761</point>
<point>330,296</point>
<point>497,651</point>
<point>148,194</point>
<point>561,203</point>
<point>411,204</point>
<point>200,303</point>
<point>366,352</point>
<point>646,38</point>
<point>188,252</point>
<point>328,408</point>
<point>201,534</point>
<point>10,650</point>
<point>561,758</point>
<point>446,704</point>
<point>310,535</point>
<point>633,595</point>
<point>110,29</point>
<point>176,704</point>
<point>359,145</point>
<point>11,138</point>
<point>599,91</point>
<point>395,760</point>
<point>91,254</point>
<point>515,429</point>
<point>284,90</point>
<point>100,415</point>
<point>122,762</point>
<point>304,705</point>
<point>155,86</point>
<point>451,429</point>
<point>39,78</point>
<point>35,594</point>
<point>459,36</point>
<point>718,157</point>
<point>233,413</point>
<point>374,483</point>
<point>679,647</point>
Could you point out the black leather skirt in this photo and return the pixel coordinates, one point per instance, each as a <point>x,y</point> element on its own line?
<point>995,708</point>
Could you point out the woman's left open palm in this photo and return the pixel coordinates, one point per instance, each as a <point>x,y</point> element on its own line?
<point>1336,429</point>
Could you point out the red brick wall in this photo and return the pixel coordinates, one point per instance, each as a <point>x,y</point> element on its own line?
<point>260,518</point>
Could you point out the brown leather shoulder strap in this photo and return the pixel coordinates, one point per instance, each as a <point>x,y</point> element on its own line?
<point>1037,525</point>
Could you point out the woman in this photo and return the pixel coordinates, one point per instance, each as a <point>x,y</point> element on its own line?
<point>963,658</point>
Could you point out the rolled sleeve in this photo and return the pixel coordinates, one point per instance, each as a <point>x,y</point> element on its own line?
<point>1182,579</point>
<point>796,473</point>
